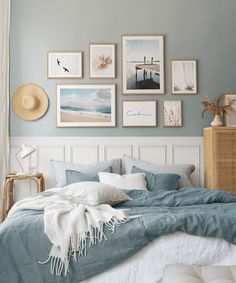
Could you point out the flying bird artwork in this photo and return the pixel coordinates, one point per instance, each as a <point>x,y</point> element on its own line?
<point>66,70</point>
<point>58,62</point>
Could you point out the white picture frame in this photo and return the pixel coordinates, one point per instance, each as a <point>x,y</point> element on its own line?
<point>172,113</point>
<point>86,105</point>
<point>64,65</point>
<point>184,77</point>
<point>230,116</point>
<point>102,61</point>
<point>143,64</point>
<point>139,113</point>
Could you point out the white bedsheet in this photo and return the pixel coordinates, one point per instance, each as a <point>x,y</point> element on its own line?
<point>147,265</point>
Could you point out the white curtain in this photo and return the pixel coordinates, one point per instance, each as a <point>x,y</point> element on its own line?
<point>4,90</point>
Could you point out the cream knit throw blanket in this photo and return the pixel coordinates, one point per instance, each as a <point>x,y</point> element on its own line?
<point>72,227</point>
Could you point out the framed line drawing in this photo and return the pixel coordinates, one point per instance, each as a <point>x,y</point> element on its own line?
<point>102,61</point>
<point>230,116</point>
<point>184,77</point>
<point>139,113</point>
<point>86,106</point>
<point>64,65</point>
<point>143,64</point>
<point>172,113</point>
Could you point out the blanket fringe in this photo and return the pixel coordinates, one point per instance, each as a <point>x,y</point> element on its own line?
<point>79,243</point>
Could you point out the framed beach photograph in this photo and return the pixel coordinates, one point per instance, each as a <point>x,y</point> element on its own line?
<point>86,106</point>
<point>172,113</point>
<point>143,64</point>
<point>67,65</point>
<point>230,116</point>
<point>183,77</point>
<point>139,113</point>
<point>102,60</point>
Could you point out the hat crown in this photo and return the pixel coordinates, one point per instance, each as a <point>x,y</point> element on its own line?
<point>30,102</point>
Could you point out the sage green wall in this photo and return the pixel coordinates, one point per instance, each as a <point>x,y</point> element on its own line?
<point>201,29</point>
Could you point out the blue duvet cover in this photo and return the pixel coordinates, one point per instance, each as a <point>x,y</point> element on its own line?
<point>209,213</point>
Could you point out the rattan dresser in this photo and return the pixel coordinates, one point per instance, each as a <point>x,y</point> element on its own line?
<point>220,158</point>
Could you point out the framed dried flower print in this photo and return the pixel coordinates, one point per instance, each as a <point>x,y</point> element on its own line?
<point>86,106</point>
<point>143,64</point>
<point>230,116</point>
<point>102,61</point>
<point>139,113</point>
<point>183,76</point>
<point>64,65</point>
<point>172,113</point>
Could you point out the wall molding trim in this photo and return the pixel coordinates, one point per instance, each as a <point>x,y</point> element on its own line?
<point>159,150</point>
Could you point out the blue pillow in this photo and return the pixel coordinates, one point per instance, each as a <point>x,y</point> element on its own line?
<point>162,181</point>
<point>73,176</point>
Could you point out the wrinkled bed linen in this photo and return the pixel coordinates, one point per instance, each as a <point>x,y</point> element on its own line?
<point>201,212</point>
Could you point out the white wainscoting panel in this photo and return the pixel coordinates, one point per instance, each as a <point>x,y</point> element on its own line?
<point>158,150</point>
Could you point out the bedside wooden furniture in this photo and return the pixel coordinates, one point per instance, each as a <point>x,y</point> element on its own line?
<point>220,158</point>
<point>8,194</point>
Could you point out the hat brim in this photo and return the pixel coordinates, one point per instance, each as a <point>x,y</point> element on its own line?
<point>33,90</point>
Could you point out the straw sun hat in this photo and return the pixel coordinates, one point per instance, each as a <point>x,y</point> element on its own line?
<point>30,102</point>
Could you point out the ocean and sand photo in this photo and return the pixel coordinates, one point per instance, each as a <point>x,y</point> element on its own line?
<point>86,105</point>
<point>143,64</point>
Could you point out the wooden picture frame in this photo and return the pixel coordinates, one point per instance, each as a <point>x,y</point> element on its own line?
<point>139,113</point>
<point>64,65</point>
<point>230,116</point>
<point>184,79</point>
<point>102,61</point>
<point>142,59</point>
<point>86,105</point>
<point>172,113</point>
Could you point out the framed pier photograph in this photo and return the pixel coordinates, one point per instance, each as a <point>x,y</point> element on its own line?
<point>143,64</point>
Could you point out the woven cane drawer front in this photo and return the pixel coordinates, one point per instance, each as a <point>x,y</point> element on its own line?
<point>220,158</point>
<point>226,145</point>
<point>226,176</point>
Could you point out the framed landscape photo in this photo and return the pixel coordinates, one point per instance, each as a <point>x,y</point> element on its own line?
<point>230,116</point>
<point>183,76</point>
<point>102,59</point>
<point>86,106</point>
<point>139,113</point>
<point>64,65</point>
<point>143,64</point>
<point>172,113</point>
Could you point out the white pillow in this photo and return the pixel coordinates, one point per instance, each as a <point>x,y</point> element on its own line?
<point>128,182</point>
<point>93,193</point>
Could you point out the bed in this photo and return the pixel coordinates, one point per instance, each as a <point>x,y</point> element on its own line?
<point>188,225</point>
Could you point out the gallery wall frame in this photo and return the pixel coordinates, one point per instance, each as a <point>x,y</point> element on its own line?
<point>102,60</point>
<point>64,64</point>
<point>86,105</point>
<point>184,76</point>
<point>139,113</point>
<point>142,64</point>
<point>230,116</point>
<point>172,112</point>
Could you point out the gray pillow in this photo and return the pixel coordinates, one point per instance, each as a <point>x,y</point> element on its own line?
<point>184,170</point>
<point>73,176</point>
<point>163,181</point>
<point>59,168</point>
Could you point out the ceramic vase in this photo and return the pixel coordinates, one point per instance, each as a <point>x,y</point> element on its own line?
<point>217,122</point>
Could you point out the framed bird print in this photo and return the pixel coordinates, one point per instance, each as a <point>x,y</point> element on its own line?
<point>64,65</point>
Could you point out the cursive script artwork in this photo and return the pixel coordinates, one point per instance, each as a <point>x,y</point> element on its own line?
<point>139,113</point>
